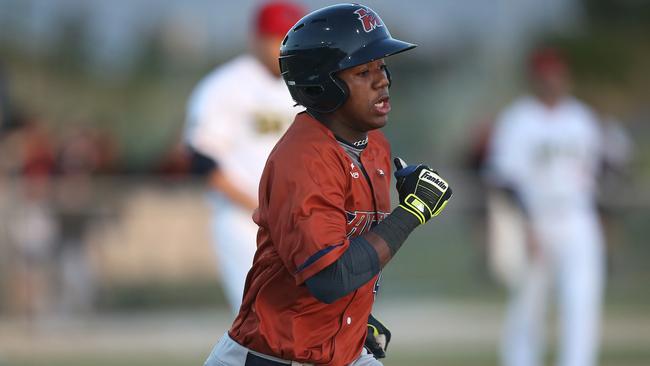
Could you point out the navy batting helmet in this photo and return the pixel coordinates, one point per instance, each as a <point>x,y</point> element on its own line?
<point>329,40</point>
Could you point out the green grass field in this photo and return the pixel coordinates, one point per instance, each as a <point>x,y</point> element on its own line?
<point>613,357</point>
<point>425,332</point>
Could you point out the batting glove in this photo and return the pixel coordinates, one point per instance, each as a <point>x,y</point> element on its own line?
<point>422,192</point>
<point>378,338</point>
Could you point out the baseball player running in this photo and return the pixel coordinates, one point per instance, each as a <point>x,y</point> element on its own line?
<point>545,154</point>
<point>326,228</point>
<point>235,116</point>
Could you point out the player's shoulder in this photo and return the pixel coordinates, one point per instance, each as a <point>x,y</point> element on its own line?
<point>307,136</point>
<point>305,140</point>
<point>379,137</point>
<point>377,140</point>
<point>229,76</point>
<point>245,65</point>
<point>520,109</point>
<point>521,105</point>
<point>579,108</point>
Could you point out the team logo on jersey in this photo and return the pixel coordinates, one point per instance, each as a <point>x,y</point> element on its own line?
<point>368,19</point>
<point>354,174</point>
<point>268,123</point>
<point>433,179</point>
<point>359,222</point>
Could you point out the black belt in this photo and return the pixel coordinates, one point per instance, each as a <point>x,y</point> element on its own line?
<point>255,360</point>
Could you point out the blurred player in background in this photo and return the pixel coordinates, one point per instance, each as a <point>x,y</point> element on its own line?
<point>544,159</point>
<point>235,116</point>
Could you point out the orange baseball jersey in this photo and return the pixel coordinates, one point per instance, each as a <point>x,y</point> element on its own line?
<point>313,200</point>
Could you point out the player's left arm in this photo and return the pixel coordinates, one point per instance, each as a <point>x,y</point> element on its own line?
<point>221,182</point>
<point>218,180</point>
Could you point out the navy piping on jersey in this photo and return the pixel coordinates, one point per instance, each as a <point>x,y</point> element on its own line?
<point>353,269</point>
<point>316,257</point>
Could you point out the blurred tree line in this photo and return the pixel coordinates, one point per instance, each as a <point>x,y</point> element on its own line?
<point>144,103</point>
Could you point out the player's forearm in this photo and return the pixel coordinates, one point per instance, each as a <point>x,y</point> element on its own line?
<point>363,259</point>
<point>222,183</point>
<point>389,235</point>
<point>353,269</point>
<point>513,196</point>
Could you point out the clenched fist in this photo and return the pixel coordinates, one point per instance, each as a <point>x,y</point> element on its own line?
<point>422,192</point>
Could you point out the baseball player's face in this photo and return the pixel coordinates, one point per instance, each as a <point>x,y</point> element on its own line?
<point>552,84</point>
<point>368,104</point>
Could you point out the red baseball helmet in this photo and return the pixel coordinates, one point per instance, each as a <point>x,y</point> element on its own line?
<point>545,61</point>
<point>275,18</point>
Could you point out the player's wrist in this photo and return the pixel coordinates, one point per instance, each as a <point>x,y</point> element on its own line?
<point>416,207</point>
<point>395,228</point>
<point>405,218</point>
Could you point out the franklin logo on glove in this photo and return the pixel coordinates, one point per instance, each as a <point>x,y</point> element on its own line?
<point>434,179</point>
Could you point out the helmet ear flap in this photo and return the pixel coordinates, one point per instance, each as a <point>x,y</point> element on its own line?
<point>307,95</point>
<point>322,98</point>
<point>343,87</point>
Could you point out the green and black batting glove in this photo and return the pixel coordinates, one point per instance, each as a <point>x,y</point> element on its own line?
<point>422,192</point>
<point>378,338</point>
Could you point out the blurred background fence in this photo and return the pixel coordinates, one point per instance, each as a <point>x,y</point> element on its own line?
<point>142,243</point>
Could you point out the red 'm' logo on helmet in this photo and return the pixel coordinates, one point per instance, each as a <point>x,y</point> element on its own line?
<point>368,19</point>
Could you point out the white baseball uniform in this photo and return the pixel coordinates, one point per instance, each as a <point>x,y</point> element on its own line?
<point>551,157</point>
<point>235,116</point>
